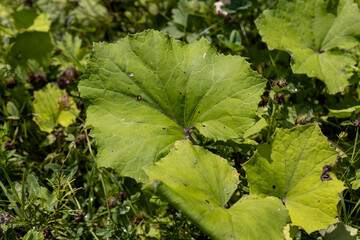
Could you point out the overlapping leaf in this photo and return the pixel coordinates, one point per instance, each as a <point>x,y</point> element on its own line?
<point>32,47</point>
<point>199,184</point>
<point>316,33</point>
<point>291,168</point>
<point>31,50</point>
<point>147,91</point>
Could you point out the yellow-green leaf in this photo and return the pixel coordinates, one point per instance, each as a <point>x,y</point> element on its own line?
<point>317,34</point>
<point>291,167</point>
<point>49,113</point>
<point>147,91</point>
<point>200,183</point>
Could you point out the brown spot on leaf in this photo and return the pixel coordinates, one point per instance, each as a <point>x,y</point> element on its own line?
<point>325,177</point>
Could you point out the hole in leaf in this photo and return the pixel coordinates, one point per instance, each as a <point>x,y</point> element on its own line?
<point>273,186</point>
<point>325,177</point>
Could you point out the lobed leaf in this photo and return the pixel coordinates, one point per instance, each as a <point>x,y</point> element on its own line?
<point>200,183</point>
<point>48,111</point>
<point>317,33</point>
<point>291,168</point>
<point>147,91</point>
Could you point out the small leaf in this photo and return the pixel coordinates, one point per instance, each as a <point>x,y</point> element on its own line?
<point>317,33</point>
<point>199,184</point>
<point>12,109</point>
<point>33,235</point>
<point>147,91</point>
<point>344,113</point>
<point>355,184</point>
<point>101,232</point>
<point>292,167</point>
<point>49,113</point>
<point>258,126</point>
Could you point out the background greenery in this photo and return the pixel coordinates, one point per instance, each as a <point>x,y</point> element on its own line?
<point>50,185</point>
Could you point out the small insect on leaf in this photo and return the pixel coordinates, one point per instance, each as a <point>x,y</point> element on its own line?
<point>138,98</point>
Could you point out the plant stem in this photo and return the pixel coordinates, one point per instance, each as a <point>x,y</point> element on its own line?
<point>72,190</point>
<point>271,121</point>
<point>356,139</point>
<point>343,207</point>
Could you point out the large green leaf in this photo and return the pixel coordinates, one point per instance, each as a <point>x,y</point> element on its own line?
<point>200,183</point>
<point>316,32</point>
<point>291,168</point>
<point>147,91</point>
<point>53,107</point>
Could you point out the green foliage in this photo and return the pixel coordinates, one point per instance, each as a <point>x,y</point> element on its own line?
<point>298,156</point>
<point>50,180</point>
<point>339,231</point>
<point>33,235</point>
<point>318,34</point>
<point>160,91</point>
<point>26,53</point>
<point>200,184</point>
<point>73,54</point>
<point>53,107</point>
